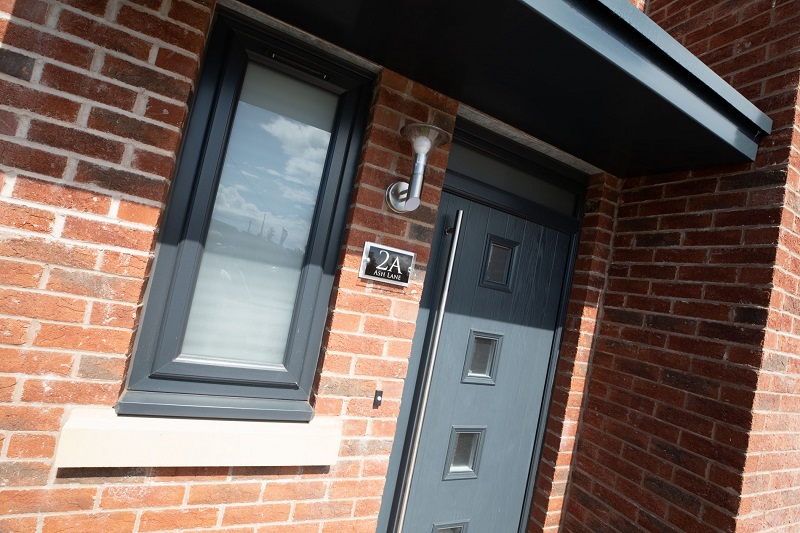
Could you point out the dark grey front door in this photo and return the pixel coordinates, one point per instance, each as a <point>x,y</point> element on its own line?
<point>477,440</point>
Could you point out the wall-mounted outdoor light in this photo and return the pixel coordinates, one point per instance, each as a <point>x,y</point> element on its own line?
<point>403,197</point>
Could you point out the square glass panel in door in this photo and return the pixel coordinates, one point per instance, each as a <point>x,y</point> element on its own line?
<point>483,352</point>
<point>243,303</point>
<point>498,263</point>
<point>463,454</point>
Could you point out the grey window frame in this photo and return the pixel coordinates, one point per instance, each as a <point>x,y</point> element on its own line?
<point>157,384</point>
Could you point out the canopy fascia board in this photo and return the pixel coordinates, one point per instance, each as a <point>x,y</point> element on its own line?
<point>666,67</point>
<point>596,79</point>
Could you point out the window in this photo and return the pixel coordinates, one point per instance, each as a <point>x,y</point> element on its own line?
<point>244,268</point>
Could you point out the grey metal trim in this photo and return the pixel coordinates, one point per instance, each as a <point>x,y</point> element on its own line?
<point>158,383</point>
<point>490,56</point>
<point>686,60</point>
<point>437,331</point>
<point>169,404</point>
<point>721,110</point>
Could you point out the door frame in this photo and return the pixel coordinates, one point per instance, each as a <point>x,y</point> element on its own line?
<point>547,169</point>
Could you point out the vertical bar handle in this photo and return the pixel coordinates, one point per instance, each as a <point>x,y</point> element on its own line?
<point>426,385</point>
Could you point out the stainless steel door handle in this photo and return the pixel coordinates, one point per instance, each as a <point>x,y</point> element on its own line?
<point>426,385</point>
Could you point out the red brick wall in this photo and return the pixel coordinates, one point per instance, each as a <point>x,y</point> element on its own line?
<point>588,288</point>
<point>690,417</point>
<point>93,98</point>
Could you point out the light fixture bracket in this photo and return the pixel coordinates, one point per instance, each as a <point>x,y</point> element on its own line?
<point>403,197</point>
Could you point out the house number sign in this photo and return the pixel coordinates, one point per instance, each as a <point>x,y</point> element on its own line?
<point>386,264</point>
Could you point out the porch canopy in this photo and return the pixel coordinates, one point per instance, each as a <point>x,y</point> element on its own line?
<point>595,78</point>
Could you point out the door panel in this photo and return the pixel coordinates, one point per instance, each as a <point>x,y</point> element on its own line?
<point>477,440</point>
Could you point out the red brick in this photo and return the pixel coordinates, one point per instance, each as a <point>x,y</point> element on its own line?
<point>51,500</point>
<point>38,305</point>
<point>190,14</point>
<point>8,385</point>
<point>132,128</point>
<point>32,10</point>
<point>31,446</point>
<point>194,517</point>
<point>59,195</point>
<point>124,264</point>
<point>393,80</point>
<point>107,233</point>
<point>343,386</point>
<point>349,526</point>
<point>356,488</point>
<point>122,522</point>
<point>160,28</point>
<point>13,331</point>
<point>34,248</point>
<point>147,78</point>
<point>353,301</point>
<point>433,99</point>
<point>322,510</point>
<point>404,105</point>
<point>380,222</point>
<point>12,525</point>
<point>91,339</point>
<point>121,181</point>
<point>308,527</point>
<point>364,407</point>
<point>165,112</point>
<point>32,159</point>
<point>8,122</point>
<point>387,118</point>
<point>24,418</point>
<point>153,5</point>
<point>113,314</point>
<point>177,62</point>
<point>153,163</point>
<point>75,141</point>
<point>25,217</point>
<point>103,35</point>
<point>389,327</point>
<point>102,368</point>
<point>87,87</point>
<point>138,496</point>
<point>69,392</point>
<point>94,7</point>
<point>345,322</point>
<point>23,473</point>
<point>255,514</point>
<point>224,493</point>
<point>95,285</point>
<point>19,274</point>
<point>16,64</point>
<point>28,361</point>
<point>142,214</point>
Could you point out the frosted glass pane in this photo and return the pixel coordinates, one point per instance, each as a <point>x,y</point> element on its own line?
<point>482,356</point>
<point>464,452</point>
<point>498,264</point>
<point>249,273</point>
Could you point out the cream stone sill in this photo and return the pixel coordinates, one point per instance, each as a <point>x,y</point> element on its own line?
<point>97,437</point>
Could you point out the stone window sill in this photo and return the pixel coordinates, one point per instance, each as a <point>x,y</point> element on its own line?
<point>98,437</point>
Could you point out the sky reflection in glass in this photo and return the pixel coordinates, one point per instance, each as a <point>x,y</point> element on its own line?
<point>256,243</point>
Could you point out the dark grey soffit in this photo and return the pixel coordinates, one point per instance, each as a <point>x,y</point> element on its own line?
<point>595,78</point>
